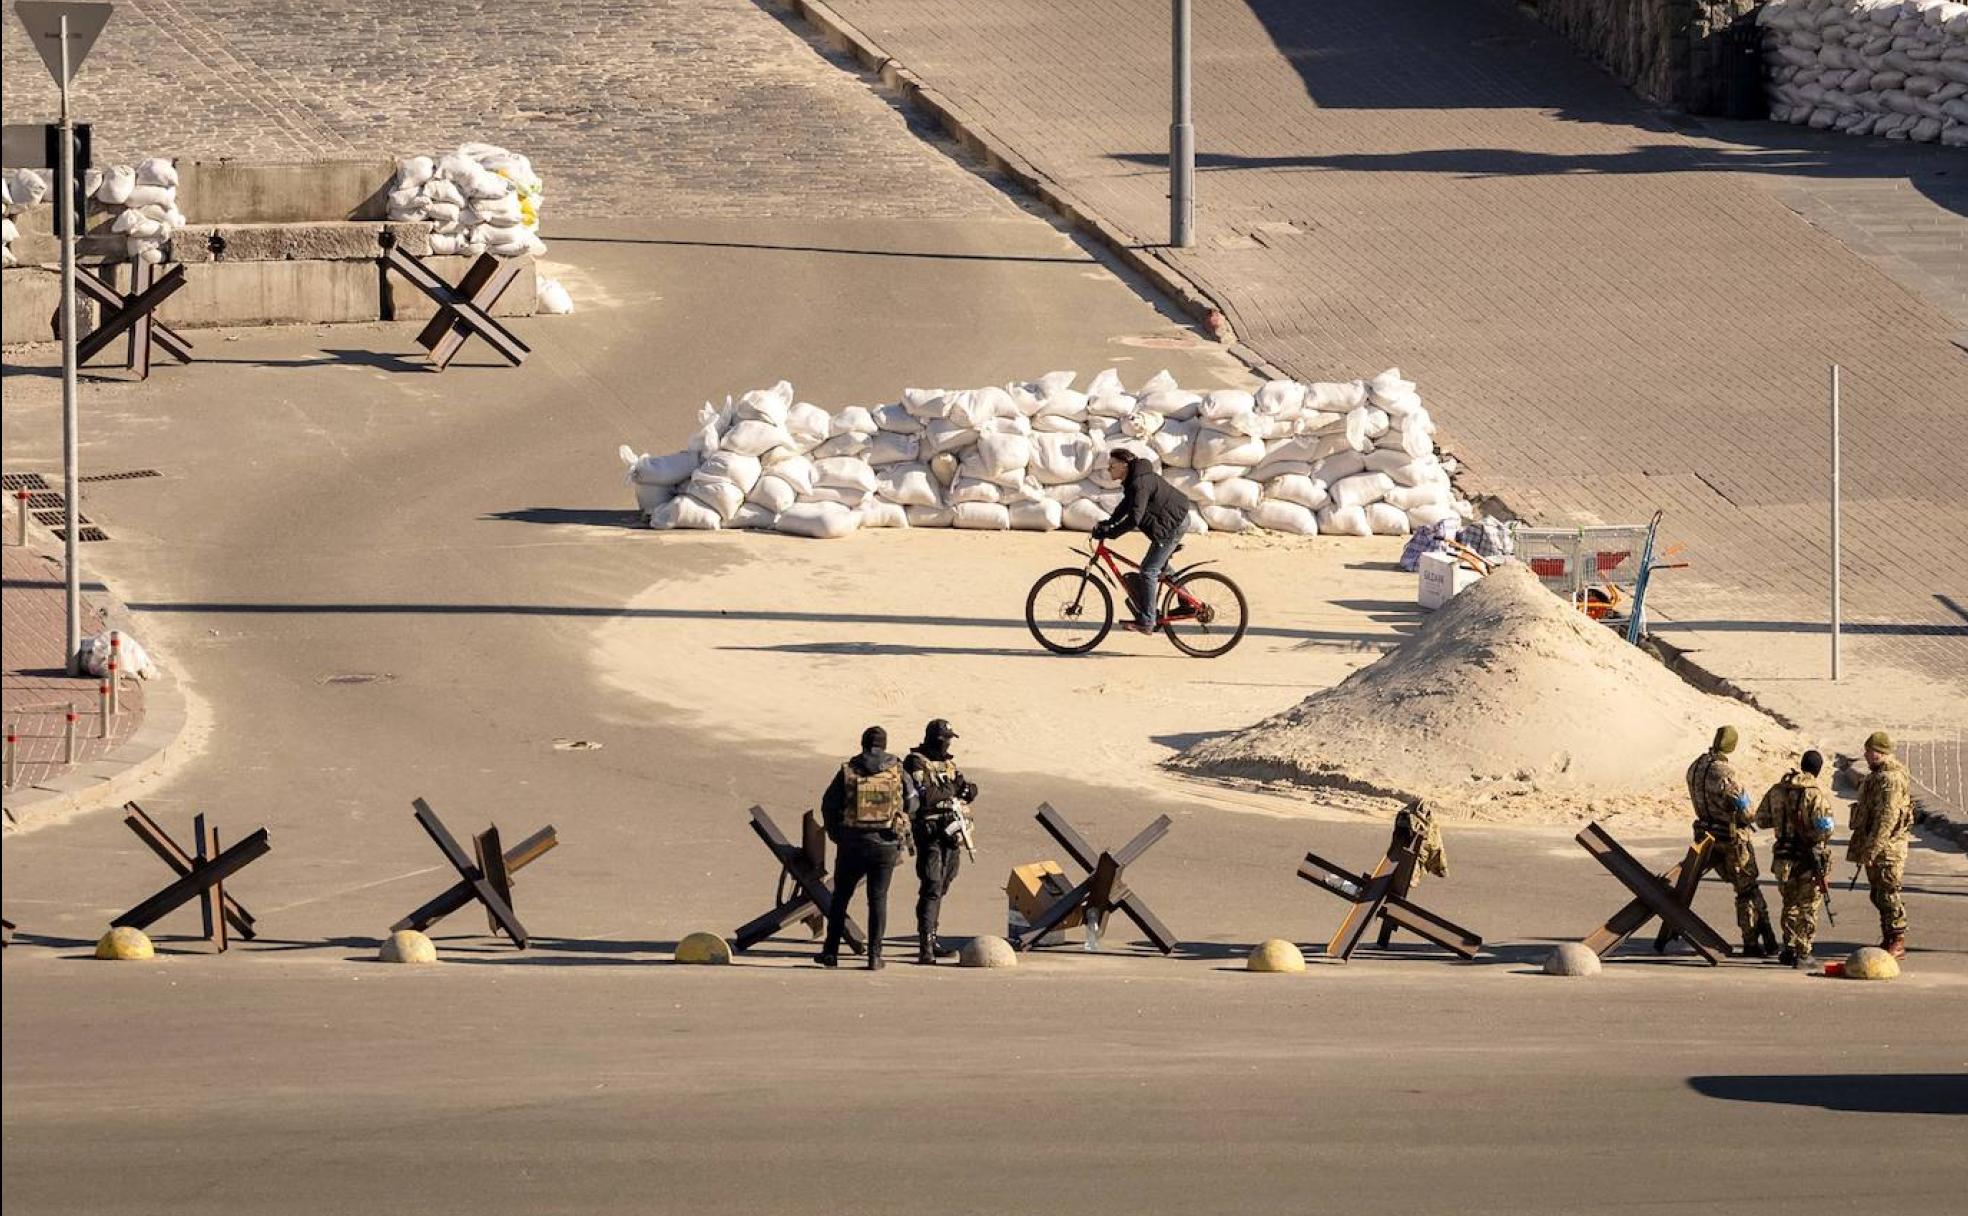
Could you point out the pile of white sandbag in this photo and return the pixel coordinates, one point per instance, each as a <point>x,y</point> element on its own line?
<point>1897,68</point>
<point>142,200</point>
<point>19,190</point>
<point>1353,459</point>
<point>479,199</point>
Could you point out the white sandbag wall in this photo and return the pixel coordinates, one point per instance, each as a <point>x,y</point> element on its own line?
<point>1892,68</point>
<point>142,203</point>
<point>479,199</point>
<point>1355,458</point>
<point>19,190</point>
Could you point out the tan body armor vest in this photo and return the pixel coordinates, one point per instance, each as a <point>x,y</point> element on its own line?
<point>873,801</point>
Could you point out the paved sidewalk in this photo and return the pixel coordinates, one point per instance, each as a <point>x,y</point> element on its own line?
<point>35,694</point>
<point>1607,315</point>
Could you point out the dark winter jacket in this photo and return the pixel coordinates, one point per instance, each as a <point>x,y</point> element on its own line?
<point>1148,502</point>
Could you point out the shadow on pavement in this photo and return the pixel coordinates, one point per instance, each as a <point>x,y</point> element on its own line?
<point>1869,1093</point>
<point>832,249</point>
<point>592,516</point>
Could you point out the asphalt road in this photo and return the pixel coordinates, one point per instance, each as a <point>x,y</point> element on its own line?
<point>327,511</point>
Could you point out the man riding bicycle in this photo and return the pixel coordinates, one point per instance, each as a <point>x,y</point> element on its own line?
<point>1150,503</point>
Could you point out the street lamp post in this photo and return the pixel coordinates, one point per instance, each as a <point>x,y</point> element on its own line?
<point>1182,136</point>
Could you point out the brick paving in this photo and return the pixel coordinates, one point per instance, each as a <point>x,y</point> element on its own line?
<point>32,685</point>
<point>657,107</point>
<point>1605,314</point>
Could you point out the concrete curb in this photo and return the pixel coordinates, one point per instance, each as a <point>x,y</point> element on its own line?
<point>978,139</point>
<point>111,778</point>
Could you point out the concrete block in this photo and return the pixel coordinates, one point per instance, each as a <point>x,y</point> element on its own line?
<point>987,952</point>
<point>228,192</point>
<point>1573,959</point>
<point>406,303</point>
<point>124,944</point>
<point>407,946</point>
<point>275,293</point>
<point>703,948</point>
<point>29,298</point>
<point>1276,955</point>
<point>336,241</point>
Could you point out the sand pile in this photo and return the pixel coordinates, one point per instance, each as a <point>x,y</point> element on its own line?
<point>1507,705</point>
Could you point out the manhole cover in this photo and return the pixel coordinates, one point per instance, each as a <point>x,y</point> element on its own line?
<point>360,677</point>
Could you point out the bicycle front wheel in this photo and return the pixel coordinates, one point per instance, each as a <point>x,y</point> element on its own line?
<point>1205,614</point>
<point>1069,611</point>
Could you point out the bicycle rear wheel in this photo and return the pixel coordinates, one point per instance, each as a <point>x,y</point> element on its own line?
<point>1217,621</point>
<point>1069,611</point>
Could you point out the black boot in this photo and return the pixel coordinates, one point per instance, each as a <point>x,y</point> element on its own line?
<point>874,958</point>
<point>945,949</point>
<point>925,953</point>
<point>1753,946</point>
<point>1787,957</point>
<point>1769,938</point>
<point>828,958</point>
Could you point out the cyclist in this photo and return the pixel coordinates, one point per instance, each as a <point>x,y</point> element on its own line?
<point>1150,503</point>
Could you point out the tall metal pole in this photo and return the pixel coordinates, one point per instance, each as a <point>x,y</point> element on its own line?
<point>1834,522</point>
<point>1182,138</point>
<point>71,478</point>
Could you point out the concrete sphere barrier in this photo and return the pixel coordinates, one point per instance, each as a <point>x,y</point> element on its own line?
<point>1275,955</point>
<point>987,952</point>
<point>407,946</point>
<point>707,948</point>
<point>123,944</point>
<point>1571,958</point>
<point>1871,963</point>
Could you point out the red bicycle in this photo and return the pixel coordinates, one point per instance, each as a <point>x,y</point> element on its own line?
<point>1071,609</point>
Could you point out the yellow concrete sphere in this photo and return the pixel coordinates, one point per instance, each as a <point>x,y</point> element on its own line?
<point>1871,963</point>
<point>407,946</point>
<point>122,943</point>
<point>1276,955</point>
<point>703,948</point>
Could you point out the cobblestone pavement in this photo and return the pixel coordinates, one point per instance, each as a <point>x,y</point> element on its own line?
<point>34,692</point>
<point>1608,315</point>
<point>659,107</point>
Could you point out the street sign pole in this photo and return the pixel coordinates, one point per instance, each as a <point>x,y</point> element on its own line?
<point>63,31</point>
<point>71,464</point>
<point>1182,137</point>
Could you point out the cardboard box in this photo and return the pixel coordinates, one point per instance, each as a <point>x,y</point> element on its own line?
<point>1442,579</point>
<point>1034,887</point>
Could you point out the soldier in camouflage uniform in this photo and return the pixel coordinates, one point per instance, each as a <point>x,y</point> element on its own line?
<point>1800,811</point>
<point>1882,820</point>
<point>1722,811</point>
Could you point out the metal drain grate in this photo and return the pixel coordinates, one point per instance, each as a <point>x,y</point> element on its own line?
<point>91,534</point>
<point>44,500</point>
<point>22,481</point>
<point>55,519</point>
<point>131,475</point>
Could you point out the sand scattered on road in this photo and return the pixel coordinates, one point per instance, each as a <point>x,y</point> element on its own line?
<point>1507,705</point>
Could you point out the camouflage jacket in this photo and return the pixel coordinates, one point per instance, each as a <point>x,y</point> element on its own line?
<point>1800,811</point>
<point>1882,819</point>
<point>1721,803</point>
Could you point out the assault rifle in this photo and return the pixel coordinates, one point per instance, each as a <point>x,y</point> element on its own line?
<point>960,827</point>
<point>1820,863</point>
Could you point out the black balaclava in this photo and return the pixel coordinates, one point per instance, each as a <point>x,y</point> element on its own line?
<point>874,740</point>
<point>1813,763</point>
<point>936,739</point>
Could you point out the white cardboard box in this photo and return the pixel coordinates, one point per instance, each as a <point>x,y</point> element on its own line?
<point>1442,579</point>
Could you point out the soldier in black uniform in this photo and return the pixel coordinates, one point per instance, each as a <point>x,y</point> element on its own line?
<point>866,809</point>
<point>938,851</point>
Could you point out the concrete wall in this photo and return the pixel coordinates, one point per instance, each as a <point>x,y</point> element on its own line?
<point>1668,50</point>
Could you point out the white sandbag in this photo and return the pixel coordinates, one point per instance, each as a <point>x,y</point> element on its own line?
<point>1141,424</point>
<point>892,447</point>
<point>1192,486</point>
<point>925,403</point>
<point>852,444</point>
<point>1387,520</point>
<point>157,171</point>
<point>1110,405</point>
<point>1384,460</point>
<point>895,419</point>
<point>1302,491</point>
<point>878,514</point>
<point>1225,519</point>
<point>1407,498</point>
<point>735,467</point>
<point>751,517</point>
<point>769,405</point>
<point>1339,465</point>
<point>1175,404</point>
<point>1427,517</point>
<point>1344,521</point>
<point>943,435</point>
<point>1072,492</point>
<point>999,455</point>
<point>1271,470</point>
<point>1038,515</point>
<point>970,489</point>
<point>809,426</point>
<point>1195,525</point>
<point>1276,515</point>
<point>1319,422</point>
<point>855,419</point>
<point>1359,428</point>
<point>1360,489</point>
<point>554,300</point>
<point>648,498</point>
<point>1083,515</point>
<point>1057,424</point>
<point>1239,492</point>
<point>846,496</point>
<point>907,484</point>
<point>1281,399</point>
<point>1174,445</point>
<point>1105,383</point>
<point>844,472</point>
<point>943,466</point>
<point>796,471</point>
<point>1335,397</point>
<point>930,517</point>
<point>414,170</point>
<point>1227,447</point>
<point>1059,459</point>
<point>1427,470</point>
<point>719,495</point>
<point>1227,404</point>
<point>753,437</point>
<point>1062,403</point>
<point>118,182</point>
<point>666,470</point>
<point>687,513</point>
<point>982,517</point>
<point>818,520</point>
<point>774,493</point>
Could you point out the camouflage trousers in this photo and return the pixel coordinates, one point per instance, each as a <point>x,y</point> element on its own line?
<point>1734,858</point>
<point>1798,883</point>
<point>1884,875</point>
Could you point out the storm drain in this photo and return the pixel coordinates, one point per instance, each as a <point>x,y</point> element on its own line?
<point>10,482</point>
<point>130,475</point>
<point>56,518</point>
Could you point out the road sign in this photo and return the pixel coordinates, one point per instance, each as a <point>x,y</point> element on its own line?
<point>43,19</point>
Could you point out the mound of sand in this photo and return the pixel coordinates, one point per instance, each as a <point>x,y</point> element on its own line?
<point>1508,704</point>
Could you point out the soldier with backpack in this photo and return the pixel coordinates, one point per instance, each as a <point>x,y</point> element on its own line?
<point>866,809</point>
